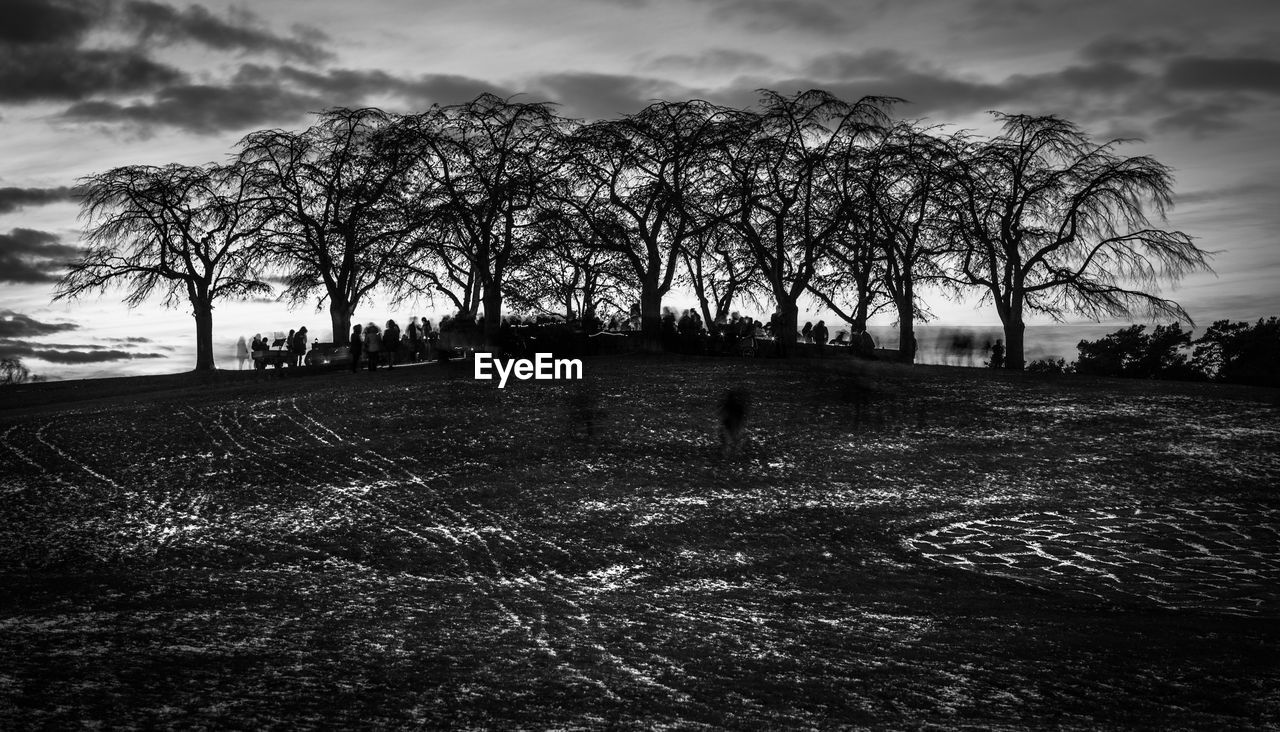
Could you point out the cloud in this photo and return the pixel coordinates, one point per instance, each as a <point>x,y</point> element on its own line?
<point>596,96</point>
<point>349,86</point>
<point>45,21</point>
<point>68,354</point>
<point>242,31</point>
<point>37,73</point>
<point>31,256</point>
<point>808,16</point>
<point>1125,49</point>
<point>1224,74</point>
<point>14,199</point>
<point>715,59</point>
<point>17,325</point>
<point>204,109</point>
<point>45,55</point>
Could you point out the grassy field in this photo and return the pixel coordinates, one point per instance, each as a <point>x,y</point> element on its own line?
<point>893,547</point>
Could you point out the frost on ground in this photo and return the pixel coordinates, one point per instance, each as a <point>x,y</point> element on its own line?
<point>406,549</point>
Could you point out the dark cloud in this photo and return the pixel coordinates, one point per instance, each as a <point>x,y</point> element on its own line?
<point>596,96</point>
<point>1225,74</point>
<point>130,339</point>
<point>17,325</point>
<point>1200,120</point>
<point>13,199</point>
<point>37,73</point>
<point>241,31</point>
<point>44,55</point>
<point>1124,49</point>
<point>1254,189</point>
<point>45,21</point>
<point>809,16</point>
<point>31,256</point>
<point>716,59</point>
<point>203,109</point>
<point>68,354</point>
<point>345,86</point>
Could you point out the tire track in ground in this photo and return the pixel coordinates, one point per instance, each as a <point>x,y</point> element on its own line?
<point>523,584</point>
<point>1202,559</point>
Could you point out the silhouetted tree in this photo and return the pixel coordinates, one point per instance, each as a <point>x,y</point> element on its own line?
<point>719,271</point>
<point>639,182</point>
<point>1054,223</point>
<point>1132,352</point>
<point>491,166</point>
<point>1241,353</point>
<point>781,172</point>
<point>13,371</point>
<point>898,203</point>
<point>177,231</point>
<point>336,203</point>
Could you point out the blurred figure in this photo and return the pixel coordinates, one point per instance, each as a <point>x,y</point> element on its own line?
<point>819,335</point>
<point>866,345</point>
<point>391,342</point>
<point>357,345</point>
<point>242,352</point>
<point>372,345</point>
<point>997,354</point>
<point>807,332</point>
<point>298,346</point>
<point>733,419</point>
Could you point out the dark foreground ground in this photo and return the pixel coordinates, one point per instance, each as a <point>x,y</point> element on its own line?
<point>894,548</point>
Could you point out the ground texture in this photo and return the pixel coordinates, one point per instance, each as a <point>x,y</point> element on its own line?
<point>891,547</point>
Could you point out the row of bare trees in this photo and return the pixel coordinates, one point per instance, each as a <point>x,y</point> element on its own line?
<point>499,203</point>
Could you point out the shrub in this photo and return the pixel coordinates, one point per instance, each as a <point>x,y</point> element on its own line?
<point>1048,366</point>
<point>1131,352</point>
<point>1240,353</point>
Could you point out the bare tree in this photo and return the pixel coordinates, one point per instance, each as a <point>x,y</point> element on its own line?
<point>638,184</point>
<point>897,200</point>
<point>177,231</point>
<point>1054,223</point>
<point>720,271</point>
<point>337,208</point>
<point>783,167</point>
<point>491,164</point>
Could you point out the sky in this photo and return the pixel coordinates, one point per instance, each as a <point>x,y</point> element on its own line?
<point>88,86</point>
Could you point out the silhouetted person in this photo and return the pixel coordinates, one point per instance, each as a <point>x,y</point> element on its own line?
<point>807,332</point>
<point>866,345</point>
<point>391,342</point>
<point>819,335</point>
<point>997,354</point>
<point>733,419</point>
<point>372,345</point>
<point>242,352</point>
<point>298,346</point>
<point>357,345</point>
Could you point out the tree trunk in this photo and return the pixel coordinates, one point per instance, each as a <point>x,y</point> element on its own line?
<point>1014,334</point>
<point>651,316</point>
<point>1014,343</point>
<point>203,313</point>
<point>907,324</point>
<point>340,317</point>
<point>789,314</point>
<point>906,337</point>
<point>492,315</point>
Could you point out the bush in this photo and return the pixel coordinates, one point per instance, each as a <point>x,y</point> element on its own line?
<point>1131,352</point>
<point>1048,366</point>
<point>1240,353</point>
<point>12,371</point>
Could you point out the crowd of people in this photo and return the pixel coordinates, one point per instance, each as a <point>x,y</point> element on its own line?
<point>391,344</point>
<point>688,333</point>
